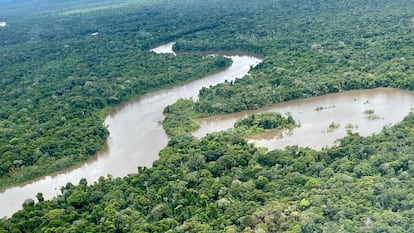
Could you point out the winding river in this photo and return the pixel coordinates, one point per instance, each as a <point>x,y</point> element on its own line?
<point>136,136</point>
<point>347,109</point>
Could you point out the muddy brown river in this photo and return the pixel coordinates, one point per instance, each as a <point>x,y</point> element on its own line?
<point>136,135</point>
<point>135,138</point>
<point>362,111</point>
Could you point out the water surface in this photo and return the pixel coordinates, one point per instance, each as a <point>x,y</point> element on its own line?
<point>135,138</point>
<point>315,114</point>
<point>166,48</point>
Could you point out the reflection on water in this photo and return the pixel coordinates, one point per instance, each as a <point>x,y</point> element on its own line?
<point>347,110</point>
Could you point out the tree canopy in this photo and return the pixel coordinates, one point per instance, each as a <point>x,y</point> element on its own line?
<point>62,68</point>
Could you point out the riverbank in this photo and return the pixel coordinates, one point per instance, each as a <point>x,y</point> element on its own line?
<point>316,113</point>
<point>131,144</point>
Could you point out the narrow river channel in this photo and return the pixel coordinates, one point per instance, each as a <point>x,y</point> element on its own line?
<point>135,139</point>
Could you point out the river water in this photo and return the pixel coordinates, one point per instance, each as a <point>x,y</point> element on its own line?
<point>166,48</point>
<point>136,135</point>
<point>135,138</point>
<point>315,115</point>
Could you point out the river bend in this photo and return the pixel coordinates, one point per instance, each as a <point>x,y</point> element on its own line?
<point>346,109</point>
<point>135,137</point>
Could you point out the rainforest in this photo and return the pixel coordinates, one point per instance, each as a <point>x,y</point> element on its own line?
<point>65,65</point>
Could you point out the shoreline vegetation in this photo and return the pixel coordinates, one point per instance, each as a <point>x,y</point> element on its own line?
<point>219,182</point>
<point>19,171</point>
<point>264,122</point>
<point>43,148</point>
<point>216,64</point>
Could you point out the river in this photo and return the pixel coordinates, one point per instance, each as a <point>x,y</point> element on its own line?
<point>315,114</point>
<point>135,137</point>
<point>165,48</point>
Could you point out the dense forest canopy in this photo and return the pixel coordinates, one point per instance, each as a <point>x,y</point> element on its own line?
<point>58,78</point>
